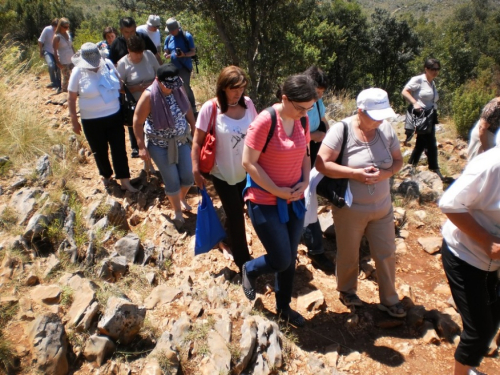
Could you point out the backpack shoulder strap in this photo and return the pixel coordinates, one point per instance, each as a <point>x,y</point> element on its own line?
<point>344,142</point>
<point>272,112</point>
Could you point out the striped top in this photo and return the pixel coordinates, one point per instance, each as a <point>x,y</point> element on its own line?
<point>284,155</point>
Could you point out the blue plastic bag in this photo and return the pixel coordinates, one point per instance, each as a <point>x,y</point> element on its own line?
<point>209,230</point>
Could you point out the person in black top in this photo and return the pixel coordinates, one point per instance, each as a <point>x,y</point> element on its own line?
<point>119,49</point>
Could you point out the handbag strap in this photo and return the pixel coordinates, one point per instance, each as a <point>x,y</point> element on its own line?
<point>213,116</point>
<point>128,94</point>
<point>344,142</point>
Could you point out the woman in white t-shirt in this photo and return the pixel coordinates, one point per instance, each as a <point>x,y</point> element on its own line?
<point>94,81</point>
<point>63,51</point>
<point>471,256</point>
<point>235,112</point>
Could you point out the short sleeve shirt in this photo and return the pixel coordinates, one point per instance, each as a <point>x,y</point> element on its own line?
<point>46,39</point>
<point>134,74</point>
<point>178,41</point>
<point>423,91</point>
<point>119,49</point>
<point>230,134</point>
<point>284,155</point>
<point>153,35</point>
<point>316,114</point>
<point>359,154</point>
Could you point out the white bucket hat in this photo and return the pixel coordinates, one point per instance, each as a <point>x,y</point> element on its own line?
<point>154,21</point>
<point>88,57</point>
<point>376,104</point>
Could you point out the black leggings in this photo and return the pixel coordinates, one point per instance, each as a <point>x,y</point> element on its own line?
<point>231,197</point>
<point>104,131</point>
<point>475,293</point>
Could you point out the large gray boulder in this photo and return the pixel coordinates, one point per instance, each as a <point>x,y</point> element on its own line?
<point>48,345</point>
<point>122,320</point>
<point>128,246</point>
<point>24,203</point>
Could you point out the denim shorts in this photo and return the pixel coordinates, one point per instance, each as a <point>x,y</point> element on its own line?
<point>177,175</point>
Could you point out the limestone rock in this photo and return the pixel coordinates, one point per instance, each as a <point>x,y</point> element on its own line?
<point>128,246</point>
<point>82,301</point>
<point>310,300</point>
<point>98,349</point>
<point>429,334</point>
<point>165,353</point>
<point>248,343</point>
<point>223,326</point>
<point>112,269</point>
<point>53,264</point>
<point>43,168</point>
<point>195,309</point>
<point>161,294</point>
<point>36,226</point>
<point>88,318</point>
<point>219,360</point>
<point>49,345</point>
<point>420,215</point>
<point>24,203</point>
<point>326,222</point>
<point>46,294</point>
<point>180,330</point>
<point>122,320</point>
<point>430,244</point>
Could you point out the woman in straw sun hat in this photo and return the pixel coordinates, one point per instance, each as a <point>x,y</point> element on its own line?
<point>96,82</point>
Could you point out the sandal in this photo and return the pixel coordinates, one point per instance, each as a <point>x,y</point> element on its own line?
<point>397,310</point>
<point>350,299</point>
<point>292,317</point>
<point>248,284</point>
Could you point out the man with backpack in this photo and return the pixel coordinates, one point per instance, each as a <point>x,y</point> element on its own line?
<point>179,48</point>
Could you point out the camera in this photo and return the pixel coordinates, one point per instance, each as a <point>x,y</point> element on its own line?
<point>178,51</point>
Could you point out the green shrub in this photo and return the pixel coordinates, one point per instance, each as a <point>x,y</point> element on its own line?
<point>468,101</point>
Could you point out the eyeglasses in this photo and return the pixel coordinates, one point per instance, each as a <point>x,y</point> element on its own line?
<point>300,108</point>
<point>65,26</point>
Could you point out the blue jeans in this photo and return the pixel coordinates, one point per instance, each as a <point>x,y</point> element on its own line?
<point>54,72</point>
<point>174,175</point>
<point>280,241</point>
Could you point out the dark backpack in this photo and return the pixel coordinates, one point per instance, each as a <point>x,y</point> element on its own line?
<point>195,58</point>
<point>272,112</point>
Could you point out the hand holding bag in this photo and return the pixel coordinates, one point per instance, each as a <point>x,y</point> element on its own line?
<point>334,189</point>
<point>128,104</point>
<point>207,153</point>
<point>209,231</point>
<point>420,121</point>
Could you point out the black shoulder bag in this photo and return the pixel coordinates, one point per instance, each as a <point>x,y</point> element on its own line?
<point>421,121</point>
<point>334,189</point>
<point>128,104</point>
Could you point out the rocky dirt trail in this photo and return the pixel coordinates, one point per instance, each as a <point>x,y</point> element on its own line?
<point>97,281</point>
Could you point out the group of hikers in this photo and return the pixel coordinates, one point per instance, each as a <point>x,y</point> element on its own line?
<point>272,161</point>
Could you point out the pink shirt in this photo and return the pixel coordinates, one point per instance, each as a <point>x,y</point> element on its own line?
<point>284,155</point>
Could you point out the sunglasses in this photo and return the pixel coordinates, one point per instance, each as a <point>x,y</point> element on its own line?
<point>300,108</point>
<point>435,69</point>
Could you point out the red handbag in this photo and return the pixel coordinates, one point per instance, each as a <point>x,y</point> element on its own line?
<point>207,154</point>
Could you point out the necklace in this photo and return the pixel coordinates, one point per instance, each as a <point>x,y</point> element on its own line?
<point>233,105</point>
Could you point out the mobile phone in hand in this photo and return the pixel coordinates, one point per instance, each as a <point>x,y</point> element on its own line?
<point>178,51</point>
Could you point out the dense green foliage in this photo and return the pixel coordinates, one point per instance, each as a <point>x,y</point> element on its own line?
<point>356,47</point>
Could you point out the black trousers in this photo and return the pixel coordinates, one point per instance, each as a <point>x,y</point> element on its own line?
<point>476,295</point>
<point>133,141</point>
<point>100,133</point>
<point>231,197</point>
<point>427,143</point>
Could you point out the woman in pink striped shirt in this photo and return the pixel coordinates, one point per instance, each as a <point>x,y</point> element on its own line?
<point>277,162</point>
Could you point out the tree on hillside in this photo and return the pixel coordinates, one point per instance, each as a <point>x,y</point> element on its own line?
<point>393,45</point>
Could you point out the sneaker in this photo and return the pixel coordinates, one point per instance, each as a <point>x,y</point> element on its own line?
<point>135,153</point>
<point>350,299</point>
<point>292,317</point>
<point>58,91</point>
<point>248,284</point>
<point>322,262</point>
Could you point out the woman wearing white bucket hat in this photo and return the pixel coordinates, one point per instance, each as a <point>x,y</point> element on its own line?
<point>96,82</point>
<point>371,156</point>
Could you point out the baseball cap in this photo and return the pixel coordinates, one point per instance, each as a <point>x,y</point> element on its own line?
<point>376,104</point>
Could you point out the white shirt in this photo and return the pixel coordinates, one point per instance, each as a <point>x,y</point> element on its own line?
<point>46,39</point>
<point>230,139</point>
<point>153,35</point>
<point>98,91</point>
<point>477,193</point>
<point>475,144</point>
<point>423,92</point>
